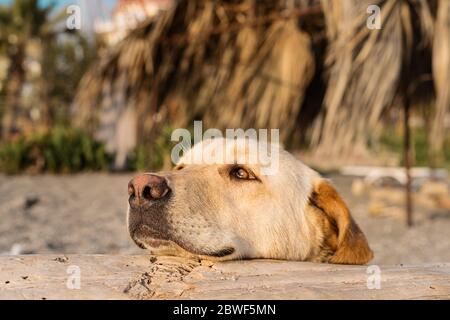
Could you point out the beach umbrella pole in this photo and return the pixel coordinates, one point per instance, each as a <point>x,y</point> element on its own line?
<point>407,157</point>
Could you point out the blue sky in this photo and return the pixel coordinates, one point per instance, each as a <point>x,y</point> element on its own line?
<point>60,3</point>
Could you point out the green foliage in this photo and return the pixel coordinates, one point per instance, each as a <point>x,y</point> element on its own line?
<point>29,30</point>
<point>155,156</point>
<point>20,22</point>
<point>65,60</point>
<point>61,150</point>
<point>12,156</point>
<point>68,150</point>
<point>392,140</point>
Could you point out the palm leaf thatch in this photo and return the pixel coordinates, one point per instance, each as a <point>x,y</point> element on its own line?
<point>231,63</point>
<point>247,63</point>
<point>441,74</point>
<point>364,68</point>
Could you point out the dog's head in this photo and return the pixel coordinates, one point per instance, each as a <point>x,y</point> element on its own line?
<point>231,210</point>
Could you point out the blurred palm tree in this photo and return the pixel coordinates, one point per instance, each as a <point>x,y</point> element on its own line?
<point>20,23</point>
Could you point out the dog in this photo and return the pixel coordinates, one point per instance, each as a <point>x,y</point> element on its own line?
<point>230,210</point>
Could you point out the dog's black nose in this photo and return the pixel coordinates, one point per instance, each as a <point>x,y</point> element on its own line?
<point>147,188</point>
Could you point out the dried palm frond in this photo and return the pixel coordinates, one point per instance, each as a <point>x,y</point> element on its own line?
<point>364,68</point>
<point>441,75</point>
<point>267,90</point>
<point>248,63</point>
<point>232,63</point>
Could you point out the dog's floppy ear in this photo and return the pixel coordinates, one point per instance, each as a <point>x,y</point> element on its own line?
<point>350,244</point>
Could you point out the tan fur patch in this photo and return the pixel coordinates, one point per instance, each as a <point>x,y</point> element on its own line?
<point>341,234</point>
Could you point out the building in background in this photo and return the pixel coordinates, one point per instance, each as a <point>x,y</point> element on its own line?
<point>93,11</point>
<point>126,15</point>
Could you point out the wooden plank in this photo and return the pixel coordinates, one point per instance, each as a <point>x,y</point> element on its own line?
<point>147,277</point>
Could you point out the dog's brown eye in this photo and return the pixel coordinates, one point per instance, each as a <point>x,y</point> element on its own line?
<point>179,167</point>
<point>241,173</point>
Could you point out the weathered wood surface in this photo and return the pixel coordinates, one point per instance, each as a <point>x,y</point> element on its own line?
<point>143,276</point>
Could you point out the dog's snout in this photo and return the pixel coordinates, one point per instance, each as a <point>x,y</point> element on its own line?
<point>147,188</point>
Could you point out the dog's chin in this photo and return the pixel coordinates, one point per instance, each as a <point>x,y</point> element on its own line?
<point>171,247</point>
<point>145,239</point>
<point>150,243</point>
